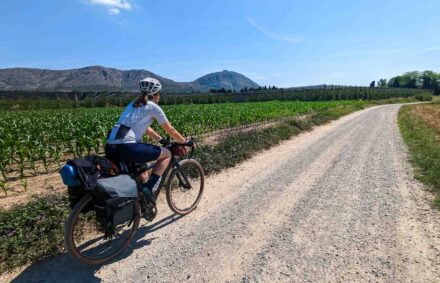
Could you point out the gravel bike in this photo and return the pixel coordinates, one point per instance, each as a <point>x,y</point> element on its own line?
<point>86,240</point>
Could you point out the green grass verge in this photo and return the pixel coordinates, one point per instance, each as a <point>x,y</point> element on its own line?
<point>424,147</point>
<point>35,231</point>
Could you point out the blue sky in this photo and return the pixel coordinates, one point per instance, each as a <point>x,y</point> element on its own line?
<point>283,43</point>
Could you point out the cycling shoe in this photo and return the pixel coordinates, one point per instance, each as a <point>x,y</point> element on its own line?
<point>148,205</point>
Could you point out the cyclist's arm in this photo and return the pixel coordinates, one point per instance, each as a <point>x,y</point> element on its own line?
<point>161,118</point>
<point>153,134</point>
<point>173,132</point>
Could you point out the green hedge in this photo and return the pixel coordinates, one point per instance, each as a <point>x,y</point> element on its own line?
<point>424,97</point>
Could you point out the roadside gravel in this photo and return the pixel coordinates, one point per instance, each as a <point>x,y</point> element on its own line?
<point>335,204</point>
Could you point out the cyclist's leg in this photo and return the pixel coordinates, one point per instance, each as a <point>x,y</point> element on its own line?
<point>151,183</point>
<point>163,161</point>
<point>154,179</point>
<point>161,164</point>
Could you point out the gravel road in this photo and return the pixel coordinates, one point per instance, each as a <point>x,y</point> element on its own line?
<point>335,204</point>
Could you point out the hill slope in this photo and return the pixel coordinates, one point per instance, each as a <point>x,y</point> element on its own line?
<point>98,78</point>
<point>225,79</point>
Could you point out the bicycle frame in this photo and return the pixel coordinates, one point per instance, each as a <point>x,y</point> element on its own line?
<point>174,164</point>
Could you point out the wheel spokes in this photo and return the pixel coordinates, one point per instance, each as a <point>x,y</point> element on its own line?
<point>185,188</point>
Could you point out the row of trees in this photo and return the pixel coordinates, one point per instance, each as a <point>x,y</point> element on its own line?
<point>222,90</point>
<point>414,79</point>
<point>245,89</point>
<point>323,93</point>
<point>258,88</point>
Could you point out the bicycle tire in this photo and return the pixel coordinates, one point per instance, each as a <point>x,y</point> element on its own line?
<point>69,242</point>
<point>170,192</point>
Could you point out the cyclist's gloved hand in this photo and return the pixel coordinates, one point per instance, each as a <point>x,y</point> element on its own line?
<point>163,142</point>
<point>190,142</point>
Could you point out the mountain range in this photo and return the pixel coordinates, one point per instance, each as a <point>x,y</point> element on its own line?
<point>99,78</point>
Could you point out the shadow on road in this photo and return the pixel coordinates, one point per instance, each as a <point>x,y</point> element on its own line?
<point>64,269</point>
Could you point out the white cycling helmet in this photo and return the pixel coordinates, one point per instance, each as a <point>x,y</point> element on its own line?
<point>150,85</point>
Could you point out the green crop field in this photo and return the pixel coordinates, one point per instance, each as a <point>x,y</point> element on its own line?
<point>46,136</point>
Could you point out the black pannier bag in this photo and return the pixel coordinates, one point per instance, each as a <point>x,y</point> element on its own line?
<point>88,172</point>
<point>115,200</point>
<point>81,176</point>
<point>75,195</point>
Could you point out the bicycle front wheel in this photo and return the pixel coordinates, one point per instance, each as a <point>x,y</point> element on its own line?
<point>85,238</point>
<point>185,187</point>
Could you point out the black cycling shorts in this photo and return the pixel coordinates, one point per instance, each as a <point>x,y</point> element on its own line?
<point>132,152</point>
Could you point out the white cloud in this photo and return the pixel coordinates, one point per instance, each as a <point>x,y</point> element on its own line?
<point>433,48</point>
<point>113,11</point>
<point>114,7</point>
<point>270,34</point>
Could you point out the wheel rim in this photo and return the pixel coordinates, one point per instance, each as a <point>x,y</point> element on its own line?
<point>184,198</point>
<point>89,240</point>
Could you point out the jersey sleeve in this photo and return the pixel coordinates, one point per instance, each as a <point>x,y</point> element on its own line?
<point>159,115</point>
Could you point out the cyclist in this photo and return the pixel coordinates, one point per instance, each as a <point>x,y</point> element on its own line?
<point>125,139</point>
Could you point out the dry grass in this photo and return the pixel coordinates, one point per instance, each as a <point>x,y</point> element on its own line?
<point>420,128</point>
<point>429,114</point>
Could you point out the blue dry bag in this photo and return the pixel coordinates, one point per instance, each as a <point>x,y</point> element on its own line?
<point>69,174</point>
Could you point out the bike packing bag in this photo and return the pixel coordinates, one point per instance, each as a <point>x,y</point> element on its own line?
<point>69,175</point>
<point>115,200</point>
<point>80,175</point>
<point>88,173</point>
<point>105,166</point>
<point>89,169</point>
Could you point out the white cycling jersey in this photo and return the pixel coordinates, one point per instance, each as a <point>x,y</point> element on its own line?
<point>134,121</point>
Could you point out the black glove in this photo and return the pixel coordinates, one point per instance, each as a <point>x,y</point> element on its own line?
<point>163,142</point>
<point>190,142</point>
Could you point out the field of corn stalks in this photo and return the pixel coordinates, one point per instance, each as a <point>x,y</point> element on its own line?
<point>32,141</point>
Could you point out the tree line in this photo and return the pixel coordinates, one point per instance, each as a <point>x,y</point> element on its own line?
<point>245,89</point>
<point>322,93</point>
<point>414,79</point>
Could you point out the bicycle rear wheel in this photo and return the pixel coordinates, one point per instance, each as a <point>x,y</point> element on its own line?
<point>185,187</point>
<point>85,238</point>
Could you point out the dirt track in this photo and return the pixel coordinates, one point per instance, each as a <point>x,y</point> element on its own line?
<point>335,204</point>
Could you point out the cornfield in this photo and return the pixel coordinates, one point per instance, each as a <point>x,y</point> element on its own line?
<point>45,137</point>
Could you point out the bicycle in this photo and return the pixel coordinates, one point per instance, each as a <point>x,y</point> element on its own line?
<point>88,243</point>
